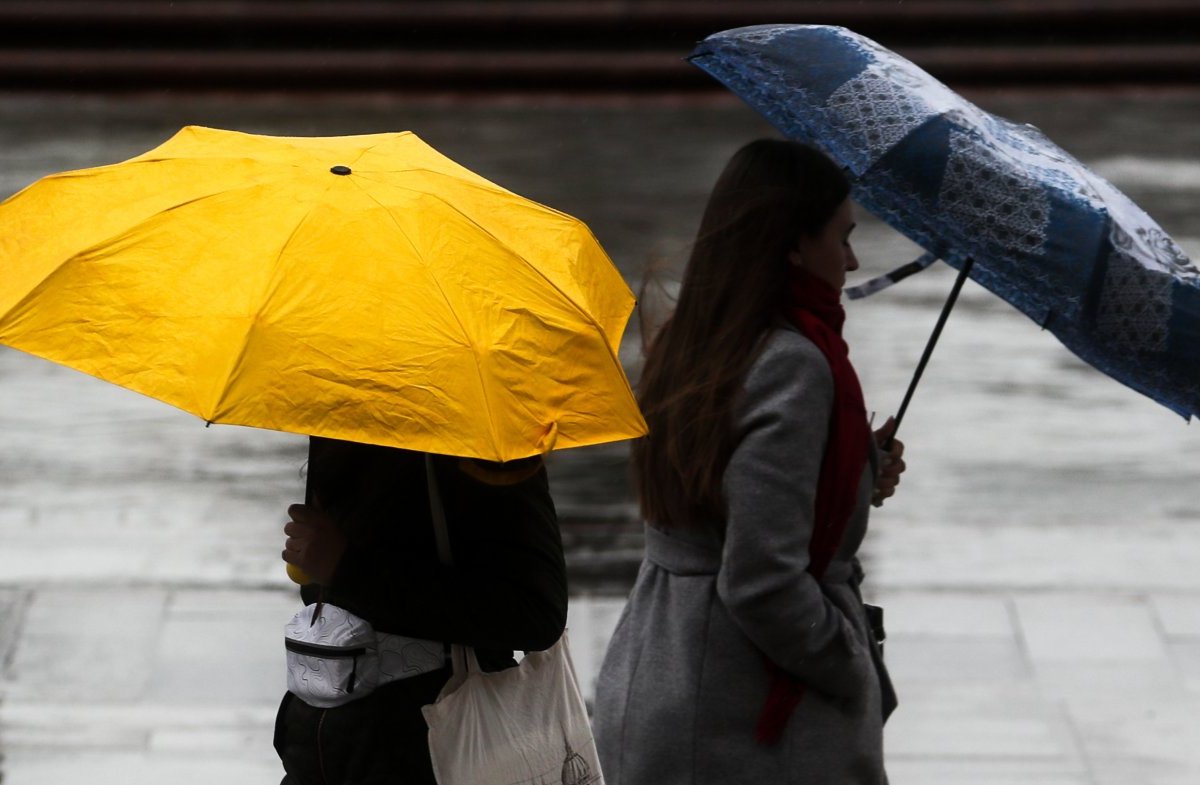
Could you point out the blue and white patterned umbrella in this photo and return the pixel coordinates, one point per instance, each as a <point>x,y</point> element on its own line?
<point>1032,224</point>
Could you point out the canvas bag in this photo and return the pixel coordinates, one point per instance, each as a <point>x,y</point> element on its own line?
<point>526,724</point>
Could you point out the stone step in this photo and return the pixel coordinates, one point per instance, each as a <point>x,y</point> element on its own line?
<point>467,45</point>
<point>588,19</point>
<point>482,70</point>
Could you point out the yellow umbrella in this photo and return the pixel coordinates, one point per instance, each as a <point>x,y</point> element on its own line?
<point>364,288</point>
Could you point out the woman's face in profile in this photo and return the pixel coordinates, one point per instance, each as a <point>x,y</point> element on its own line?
<point>828,254</point>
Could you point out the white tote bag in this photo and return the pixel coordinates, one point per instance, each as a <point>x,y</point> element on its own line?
<point>526,725</point>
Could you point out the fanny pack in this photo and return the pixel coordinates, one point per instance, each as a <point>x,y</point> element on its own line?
<point>335,656</point>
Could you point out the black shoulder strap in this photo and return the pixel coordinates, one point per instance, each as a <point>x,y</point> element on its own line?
<point>438,513</point>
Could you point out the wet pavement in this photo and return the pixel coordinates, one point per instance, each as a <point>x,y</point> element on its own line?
<point>1038,566</point>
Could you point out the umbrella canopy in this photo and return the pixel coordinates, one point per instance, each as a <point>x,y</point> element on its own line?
<point>1031,223</point>
<point>364,288</point>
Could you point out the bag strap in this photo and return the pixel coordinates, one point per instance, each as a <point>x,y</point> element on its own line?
<point>438,513</point>
<point>460,658</point>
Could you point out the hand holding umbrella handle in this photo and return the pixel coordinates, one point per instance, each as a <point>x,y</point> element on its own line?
<point>296,574</point>
<point>891,463</point>
<point>299,576</point>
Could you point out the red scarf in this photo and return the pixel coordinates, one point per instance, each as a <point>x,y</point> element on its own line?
<point>815,308</point>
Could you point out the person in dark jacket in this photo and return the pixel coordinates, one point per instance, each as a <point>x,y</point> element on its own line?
<point>366,540</point>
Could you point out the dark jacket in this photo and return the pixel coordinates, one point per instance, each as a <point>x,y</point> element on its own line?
<point>506,591</point>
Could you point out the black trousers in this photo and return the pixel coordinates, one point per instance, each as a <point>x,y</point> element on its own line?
<point>380,739</point>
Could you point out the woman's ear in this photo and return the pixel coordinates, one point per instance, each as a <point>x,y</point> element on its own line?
<point>795,259</point>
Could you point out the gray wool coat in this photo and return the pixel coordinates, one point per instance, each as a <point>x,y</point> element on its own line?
<point>683,680</point>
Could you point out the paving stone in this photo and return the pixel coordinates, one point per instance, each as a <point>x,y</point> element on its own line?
<point>1083,681</point>
<point>125,557</point>
<point>1154,740</point>
<point>1089,628</point>
<point>33,767</point>
<point>1179,614</point>
<point>1186,656</point>
<point>52,560</point>
<point>972,735</point>
<point>193,603</point>
<point>918,659</point>
<point>15,516</point>
<point>222,647</point>
<point>1005,722</point>
<point>86,645</point>
<point>72,737</point>
<point>946,614</point>
<point>982,771</point>
<point>120,743</point>
<point>221,563</point>
<point>1144,772</point>
<point>40,730</point>
<point>12,613</point>
<point>1009,556</point>
<point>249,742</point>
<point>54,513</point>
<point>68,730</point>
<point>142,715</point>
<point>590,623</point>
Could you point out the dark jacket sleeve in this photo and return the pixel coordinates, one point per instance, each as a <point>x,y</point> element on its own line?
<point>507,588</point>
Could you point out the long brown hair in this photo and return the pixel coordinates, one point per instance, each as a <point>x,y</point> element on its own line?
<point>771,193</point>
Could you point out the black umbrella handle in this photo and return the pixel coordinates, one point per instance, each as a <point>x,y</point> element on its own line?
<point>932,342</point>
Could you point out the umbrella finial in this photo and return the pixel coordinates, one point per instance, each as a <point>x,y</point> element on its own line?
<point>339,169</point>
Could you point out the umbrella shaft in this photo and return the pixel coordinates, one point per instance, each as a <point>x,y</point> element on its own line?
<point>933,339</point>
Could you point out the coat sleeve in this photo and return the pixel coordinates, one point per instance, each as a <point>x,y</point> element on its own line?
<point>769,486</point>
<point>507,588</point>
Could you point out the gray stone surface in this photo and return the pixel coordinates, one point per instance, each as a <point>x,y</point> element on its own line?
<point>1039,566</point>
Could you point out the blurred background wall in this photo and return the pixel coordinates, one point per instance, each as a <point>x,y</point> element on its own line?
<point>626,46</point>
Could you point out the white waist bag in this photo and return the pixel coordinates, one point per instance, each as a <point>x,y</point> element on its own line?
<point>334,656</point>
<point>526,724</point>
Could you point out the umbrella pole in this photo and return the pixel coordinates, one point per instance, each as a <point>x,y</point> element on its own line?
<point>933,339</point>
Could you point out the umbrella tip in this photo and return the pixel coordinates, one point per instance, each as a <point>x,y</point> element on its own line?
<point>339,169</point>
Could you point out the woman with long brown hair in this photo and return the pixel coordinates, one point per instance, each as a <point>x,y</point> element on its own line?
<point>745,653</point>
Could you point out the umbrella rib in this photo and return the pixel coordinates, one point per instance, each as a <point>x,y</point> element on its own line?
<point>271,284</point>
<point>43,284</point>
<point>566,297</point>
<point>482,183</point>
<point>465,335</point>
<point>462,327</point>
<point>583,312</point>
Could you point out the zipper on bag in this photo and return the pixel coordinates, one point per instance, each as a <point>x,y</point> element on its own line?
<point>321,650</point>
<point>331,653</point>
